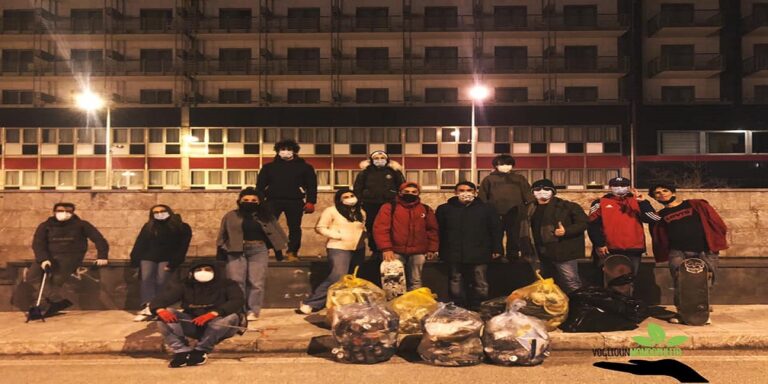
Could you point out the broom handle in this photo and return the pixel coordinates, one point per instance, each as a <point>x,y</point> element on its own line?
<point>42,287</point>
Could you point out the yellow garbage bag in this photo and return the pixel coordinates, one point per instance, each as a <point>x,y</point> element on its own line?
<point>351,289</point>
<point>544,300</point>
<point>412,308</point>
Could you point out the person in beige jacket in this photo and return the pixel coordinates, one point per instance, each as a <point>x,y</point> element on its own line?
<point>344,226</point>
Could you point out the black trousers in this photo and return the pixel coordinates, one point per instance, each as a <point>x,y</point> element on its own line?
<point>512,229</point>
<point>371,210</point>
<point>62,267</point>
<point>294,211</point>
<point>468,284</point>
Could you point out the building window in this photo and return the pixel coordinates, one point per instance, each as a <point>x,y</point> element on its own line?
<point>441,17</point>
<point>677,15</point>
<point>759,142</point>
<point>371,17</point>
<point>680,143</point>
<point>441,58</point>
<point>239,19</point>
<point>304,19</point>
<point>580,15</point>
<point>303,96</point>
<point>156,60</point>
<point>87,60</point>
<point>87,20</point>
<point>726,142</point>
<point>14,96</point>
<point>372,95</point>
<point>511,94</point>
<point>156,96</point>
<point>234,59</point>
<point>580,58</point>
<point>156,19</point>
<point>580,94</point>
<point>18,60</point>
<point>234,96</point>
<point>678,94</point>
<point>18,20</point>
<point>510,17</point>
<point>441,95</point>
<point>372,59</point>
<point>511,58</point>
<point>304,60</point>
<point>677,57</point>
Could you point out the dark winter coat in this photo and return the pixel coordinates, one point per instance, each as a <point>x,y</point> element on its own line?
<point>469,234</point>
<point>230,239</point>
<point>412,230</point>
<point>505,191</point>
<point>220,294</point>
<point>564,248</point>
<point>57,238</point>
<point>165,246</point>
<point>288,180</point>
<point>376,185</point>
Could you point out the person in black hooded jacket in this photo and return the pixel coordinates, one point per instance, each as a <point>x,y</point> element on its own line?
<point>60,244</point>
<point>286,183</point>
<point>160,248</point>
<point>213,311</point>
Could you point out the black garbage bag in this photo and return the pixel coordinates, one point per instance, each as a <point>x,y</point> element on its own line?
<point>513,338</point>
<point>594,309</point>
<point>452,337</point>
<point>365,332</point>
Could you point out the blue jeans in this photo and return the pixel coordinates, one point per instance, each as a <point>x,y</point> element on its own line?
<point>565,273</point>
<point>175,334</point>
<point>342,262</point>
<point>153,278</point>
<point>468,284</point>
<point>251,268</point>
<point>413,264</point>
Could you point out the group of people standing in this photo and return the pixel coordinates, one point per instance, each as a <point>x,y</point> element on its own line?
<point>466,232</point>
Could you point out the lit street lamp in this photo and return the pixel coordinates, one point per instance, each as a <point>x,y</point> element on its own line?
<point>477,94</point>
<point>92,102</point>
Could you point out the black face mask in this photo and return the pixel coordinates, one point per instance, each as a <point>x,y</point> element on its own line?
<point>671,199</point>
<point>408,198</point>
<point>248,207</point>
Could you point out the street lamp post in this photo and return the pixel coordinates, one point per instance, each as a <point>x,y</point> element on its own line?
<point>477,94</point>
<point>91,102</point>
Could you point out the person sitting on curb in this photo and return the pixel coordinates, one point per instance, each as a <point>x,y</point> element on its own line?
<point>408,234</point>
<point>684,229</point>
<point>213,312</point>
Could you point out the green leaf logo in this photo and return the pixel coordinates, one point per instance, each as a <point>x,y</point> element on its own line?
<point>644,341</point>
<point>657,336</point>
<point>656,333</point>
<point>676,340</point>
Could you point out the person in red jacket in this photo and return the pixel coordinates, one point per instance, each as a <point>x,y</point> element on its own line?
<point>410,234</point>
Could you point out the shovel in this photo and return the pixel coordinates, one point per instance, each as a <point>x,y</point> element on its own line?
<point>35,312</point>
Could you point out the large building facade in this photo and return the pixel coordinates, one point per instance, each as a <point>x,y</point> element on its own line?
<point>199,91</point>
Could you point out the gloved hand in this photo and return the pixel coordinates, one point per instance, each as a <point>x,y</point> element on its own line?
<point>46,265</point>
<point>167,316</point>
<point>204,318</point>
<point>101,262</point>
<point>388,255</point>
<point>309,207</point>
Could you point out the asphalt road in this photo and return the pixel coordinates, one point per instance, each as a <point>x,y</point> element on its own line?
<point>717,367</point>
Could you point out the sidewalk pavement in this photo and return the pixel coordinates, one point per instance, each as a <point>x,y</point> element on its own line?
<point>282,330</point>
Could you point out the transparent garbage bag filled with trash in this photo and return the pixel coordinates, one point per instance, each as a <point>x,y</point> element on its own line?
<point>544,300</point>
<point>452,337</point>
<point>366,333</point>
<point>412,308</point>
<point>513,338</point>
<point>351,289</point>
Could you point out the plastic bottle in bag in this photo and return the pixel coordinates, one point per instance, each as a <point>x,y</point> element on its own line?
<point>366,333</point>
<point>412,308</point>
<point>452,337</point>
<point>513,338</point>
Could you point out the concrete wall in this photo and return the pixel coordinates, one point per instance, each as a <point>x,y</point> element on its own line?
<point>120,214</point>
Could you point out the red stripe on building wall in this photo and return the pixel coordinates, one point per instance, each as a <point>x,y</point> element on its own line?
<point>704,158</point>
<point>319,162</point>
<point>607,161</point>
<point>57,163</point>
<point>530,162</point>
<point>485,162</point>
<point>164,163</point>
<point>91,163</point>
<point>128,163</point>
<point>566,161</point>
<point>421,162</point>
<point>347,162</point>
<point>11,163</point>
<point>243,162</point>
<point>203,163</point>
<point>455,162</point>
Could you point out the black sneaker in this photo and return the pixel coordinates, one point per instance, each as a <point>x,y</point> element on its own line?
<point>55,307</point>
<point>179,360</point>
<point>197,358</point>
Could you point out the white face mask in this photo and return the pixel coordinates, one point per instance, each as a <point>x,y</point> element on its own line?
<point>504,168</point>
<point>380,162</point>
<point>466,197</point>
<point>285,155</point>
<point>63,216</point>
<point>620,191</point>
<point>350,201</point>
<point>203,276</point>
<point>161,216</point>
<point>543,194</point>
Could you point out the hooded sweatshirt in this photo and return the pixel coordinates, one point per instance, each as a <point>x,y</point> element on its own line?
<point>55,238</point>
<point>288,180</point>
<point>220,294</point>
<point>505,191</point>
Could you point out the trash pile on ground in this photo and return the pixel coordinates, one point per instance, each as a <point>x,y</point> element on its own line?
<point>544,300</point>
<point>513,338</point>
<point>366,333</point>
<point>452,337</point>
<point>412,308</point>
<point>351,289</point>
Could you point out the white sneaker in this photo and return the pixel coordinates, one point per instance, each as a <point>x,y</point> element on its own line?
<point>674,320</point>
<point>143,315</point>
<point>252,316</point>
<point>305,309</point>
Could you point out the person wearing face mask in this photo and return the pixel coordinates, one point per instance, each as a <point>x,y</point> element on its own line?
<point>470,237</point>
<point>407,230</point>
<point>552,232</point>
<point>160,248</point>
<point>212,311</point>
<point>508,192</point>
<point>376,185</point>
<point>684,229</point>
<point>289,185</point>
<point>59,245</point>
<point>343,225</point>
<point>245,237</point>
<point>616,225</point>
